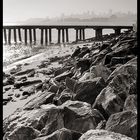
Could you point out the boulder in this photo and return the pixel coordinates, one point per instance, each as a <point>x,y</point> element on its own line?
<point>61,134</point>
<point>123,122</point>
<point>100,71</point>
<point>26,83</point>
<point>27,71</point>
<point>76,52</point>
<point>84,64</point>
<point>23,133</point>
<point>103,135</point>
<point>53,89</point>
<point>40,99</point>
<point>70,83</point>
<point>84,51</point>
<point>78,116</point>
<point>85,76</point>
<point>88,90</point>
<point>63,76</point>
<point>131,103</point>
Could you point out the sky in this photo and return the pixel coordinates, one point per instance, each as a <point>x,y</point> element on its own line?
<point>20,10</point>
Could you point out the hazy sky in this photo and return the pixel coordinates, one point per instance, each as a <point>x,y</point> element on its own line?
<point>16,10</point>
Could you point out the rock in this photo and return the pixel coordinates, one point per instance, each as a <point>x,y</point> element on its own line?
<point>36,118</point>
<point>70,83</point>
<point>7,99</point>
<point>23,78</point>
<point>85,76</point>
<point>133,88</point>
<point>41,98</point>
<point>103,135</point>
<point>9,81</point>
<point>53,89</point>
<point>76,52</point>
<point>26,83</point>
<point>14,70</point>
<point>123,122</point>
<point>24,97</point>
<point>38,87</point>
<point>27,71</point>
<point>99,71</point>
<point>131,103</point>
<point>101,125</point>
<point>128,69</point>
<point>31,74</point>
<point>61,70</point>
<point>84,51</point>
<point>120,60</point>
<point>84,64</point>
<point>103,46</point>
<point>78,116</point>
<point>17,95</point>
<point>61,134</point>
<point>63,76</point>
<point>64,96</point>
<point>22,133</point>
<point>88,90</point>
<point>7,88</point>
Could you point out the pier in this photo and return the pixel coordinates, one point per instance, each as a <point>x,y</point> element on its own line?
<point>63,32</point>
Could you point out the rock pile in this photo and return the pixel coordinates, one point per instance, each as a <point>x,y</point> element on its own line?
<point>91,95</point>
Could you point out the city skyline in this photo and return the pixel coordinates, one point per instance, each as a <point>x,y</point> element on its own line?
<point>19,10</point>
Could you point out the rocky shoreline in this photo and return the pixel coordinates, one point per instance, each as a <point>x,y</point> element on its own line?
<point>87,93</point>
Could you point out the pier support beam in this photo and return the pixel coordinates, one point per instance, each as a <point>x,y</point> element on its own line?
<point>46,37</point>
<point>9,36</point>
<point>63,35</point>
<point>50,36</point>
<point>30,35</point>
<point>117,31</point>
<point>15,36</point>
<point>5,36</point>
<point>19,35</point>
<point>76,35</point>
<point>83,34</point>
<point>67,36</point>
<point>59,36</point>
<point>80,34</point>
<point>25,36</point>
<point>34,33</point>
<point>98,34</point>
<point>42,31</point>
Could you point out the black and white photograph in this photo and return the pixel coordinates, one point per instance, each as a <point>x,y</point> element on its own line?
<point>69,70</point>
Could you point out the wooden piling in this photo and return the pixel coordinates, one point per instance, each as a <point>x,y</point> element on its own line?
<point>19,35</point>
<point>25,36</point>
<point>59,36</point>
<point>50,35</point>
<point>42,31</point>
<point>67,36</point>
<point>63,35</point>
<point>46,36</point>
<point>15,36</point>
<point>9,36</point>
<point>76,35</point>
<point>30,35</point>
<point>83,34</point>
<point>34,34</point>
<point>5,36</point>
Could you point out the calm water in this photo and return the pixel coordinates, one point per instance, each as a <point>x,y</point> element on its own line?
<point>12,53</point>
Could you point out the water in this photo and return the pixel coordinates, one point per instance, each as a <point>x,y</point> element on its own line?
<point>15,52</point>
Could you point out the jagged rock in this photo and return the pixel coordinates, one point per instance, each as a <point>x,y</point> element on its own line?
<point>7,88</point>
<point>17,95</point>
<point>123,122</point>
<point>23,78</point>
<point>120,60</point>
<point>104,46</point>
<point>64,75</point>
<point>26,83</point>
<point>9,81</point>
<point>112,98</point>
<point>101,125</point>
<point>41,98</point>
<point>78,116</point>
<point>88,90</point>
<point>70,83</point>
<point>61,134</point>
<point>36,118</point>
<point>133,88</point>
<point>84,64</point>
<point>99,71</point>
<point>85,76</point>
<point>24,97</point>
<point>61,70</point>
<point>103,135</point>
<point>27,71</point>
<point>23,133</point>
<point>7,99</point>
<point>131,103</point>
<point>83,52</point>
<point>53,89</point>
<point>76,52</point>
<point>64,96</point>
<point>31,74</point>
<point>128,69</point>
